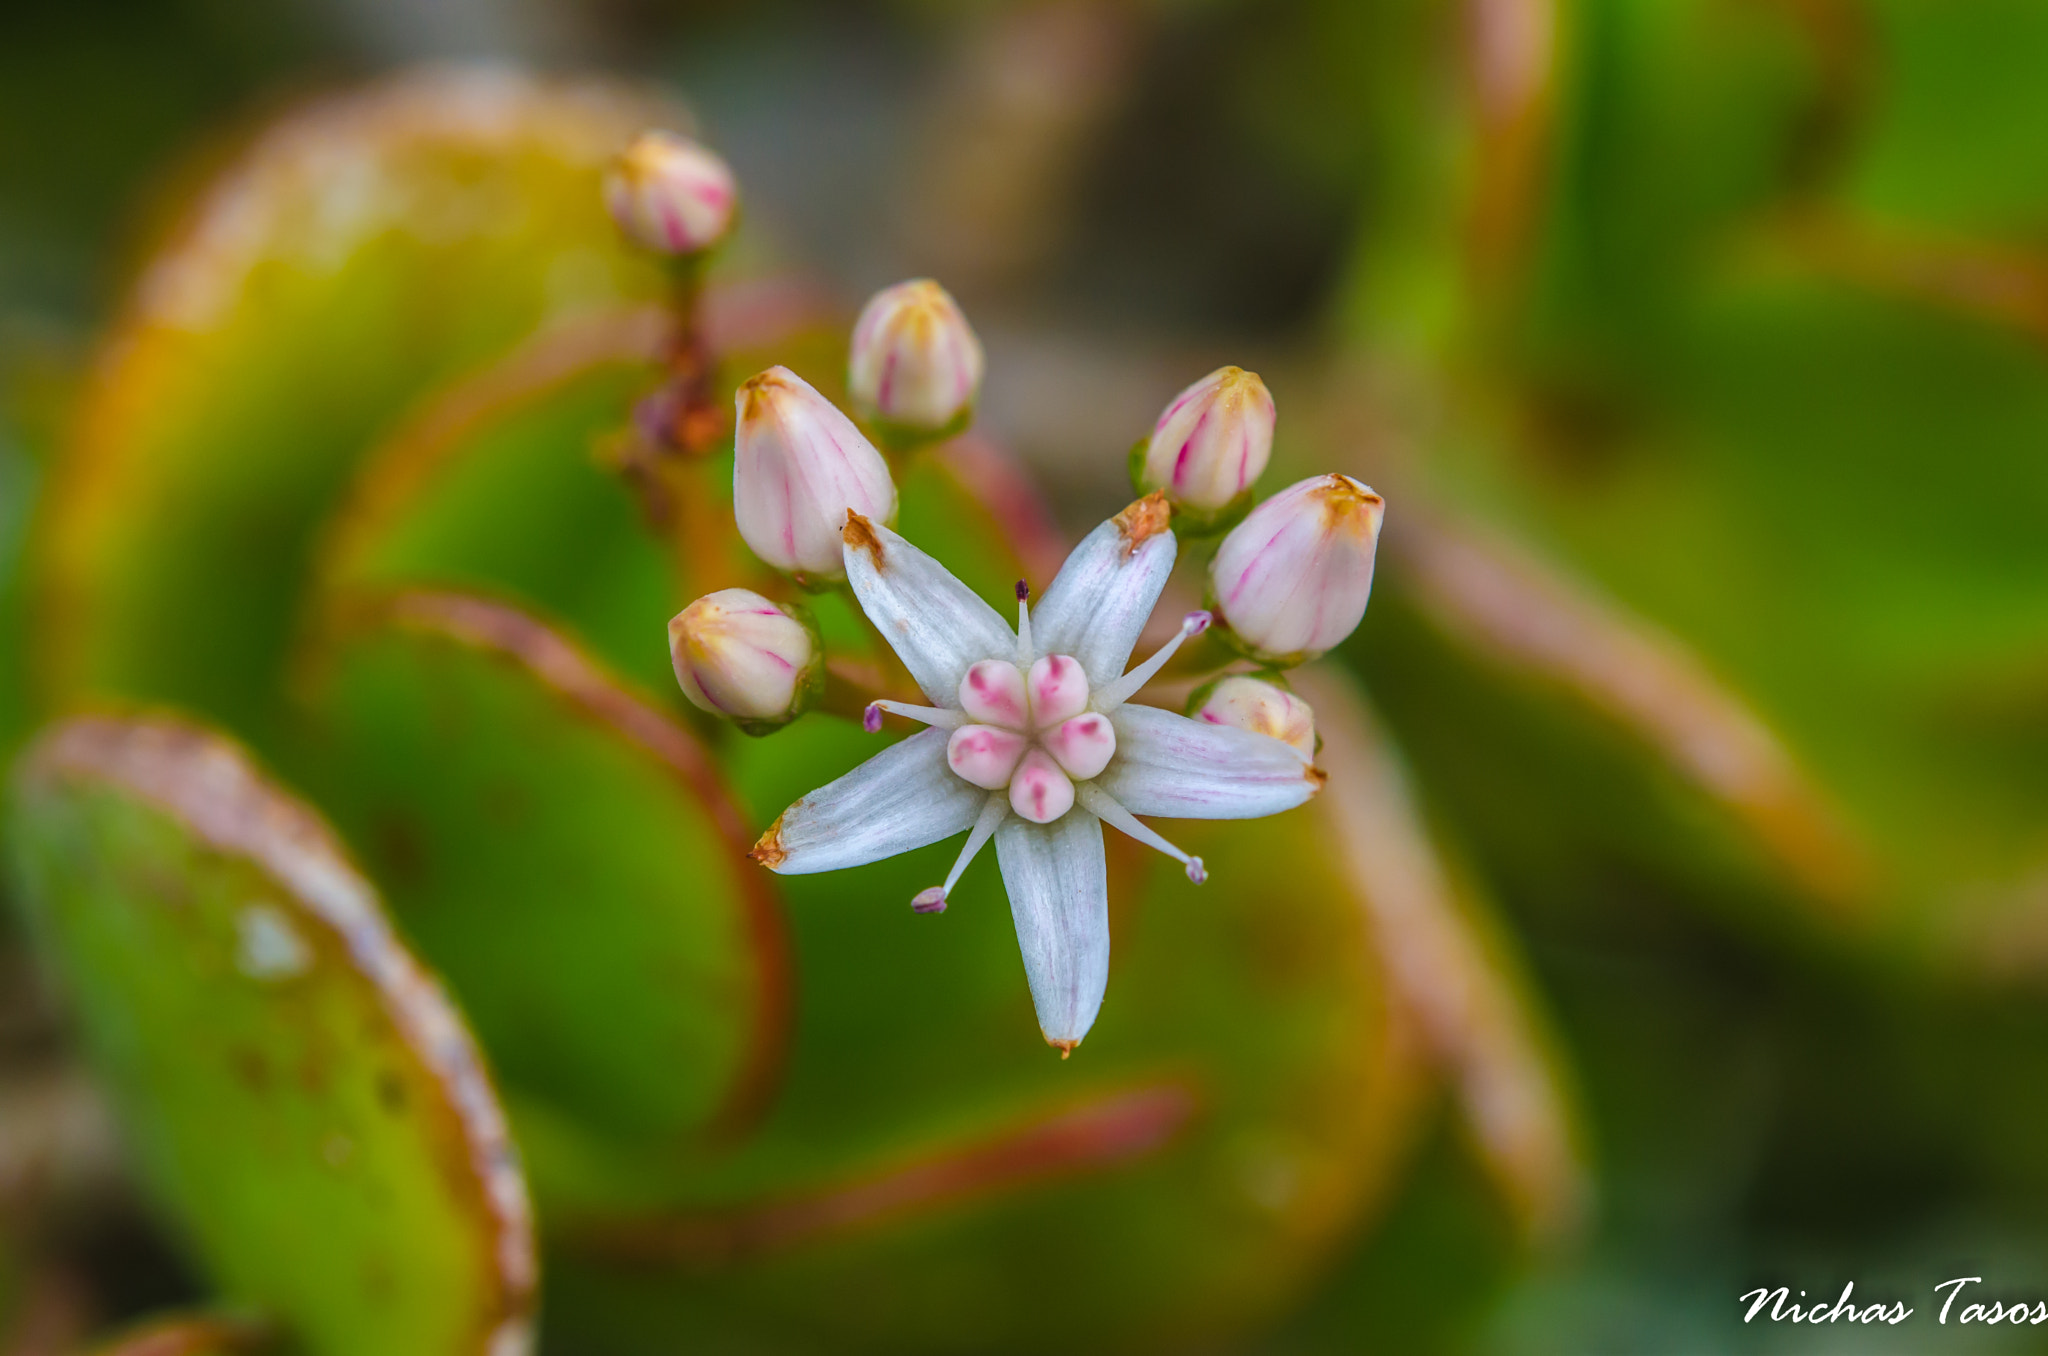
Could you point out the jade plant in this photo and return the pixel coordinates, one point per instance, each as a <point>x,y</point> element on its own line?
<point>394,871</point>
<point>444,940</point>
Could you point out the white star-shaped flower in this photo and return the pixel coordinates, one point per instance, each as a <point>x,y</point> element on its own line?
<point>1034,744</point>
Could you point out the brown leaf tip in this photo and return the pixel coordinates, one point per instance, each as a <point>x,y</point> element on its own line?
<point>1317,778</point>
<point>1066,1048</point>
<point>769,851</point>
<point>859,533</point>
<point>1142,521</point>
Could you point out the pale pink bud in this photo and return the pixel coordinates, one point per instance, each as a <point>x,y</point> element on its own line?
<point>1059,689</point>
<point>1292,579</point>
<point>985,754</point>
<point>1261,707</point>
<point>1083,746</point>
<point>670,194</point>
<point>740,656</point>
<point>1040,791</point>
<point>799,465</point>
<point>1211,442</point>
<point>993,693</point>
<point>915,365</point>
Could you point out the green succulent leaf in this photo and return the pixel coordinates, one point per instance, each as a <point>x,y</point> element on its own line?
<point>298,1092</point>
<point>496,483</point>
<point>358,255</point>
<point>1766,420</point>
<point>565,853</point>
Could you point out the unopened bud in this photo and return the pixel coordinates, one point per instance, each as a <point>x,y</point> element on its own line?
<point>1254,704</point>
<point>1211,442</point>
<point>915,367</point>
<point>670,194</point>
<point>1292,579</point>
<point>799,465</point>
<point>740,656</point>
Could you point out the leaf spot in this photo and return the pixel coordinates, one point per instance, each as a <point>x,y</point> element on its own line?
<point>271,949</point>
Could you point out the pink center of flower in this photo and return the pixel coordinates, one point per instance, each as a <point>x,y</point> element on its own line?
<point>1033,735</point>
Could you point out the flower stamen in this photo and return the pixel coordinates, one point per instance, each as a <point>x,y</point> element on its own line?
<point>1113,694</point>
<point>933,900</point>
<point>945,719</point>
<point>1106,808</point>
<point>1024,652</point>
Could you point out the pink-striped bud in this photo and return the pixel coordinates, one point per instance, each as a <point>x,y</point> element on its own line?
<point>1261,707</point>
<point>1210,443</point>
<point>799,465</point>
<point>740,656</point>
<point>1082,746</point>
<point>1040,791</point>
<point>985,755</point>
<point>1292,579</point>
<point>993,694</point>
<point>670,194</point>
<point>915,367</point>
<point>1059,689</point>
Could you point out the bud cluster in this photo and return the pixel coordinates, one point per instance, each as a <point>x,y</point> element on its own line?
<point>1034,742</point>
<point>1287,583</point>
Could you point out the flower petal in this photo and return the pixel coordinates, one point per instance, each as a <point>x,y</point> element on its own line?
<point>1059,896</point>
<point>1104,594</point>
<point>938,625</point>
<point>1170,766</point>
<point>902,798</point>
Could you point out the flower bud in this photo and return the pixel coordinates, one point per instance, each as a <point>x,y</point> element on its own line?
<point>799,465</point>
<point>1291,580</point>
<point>740,656</point>
<point>1259,706</point>
<point>670,194</point>
<point>1210,443</point>
<point>915,366</point>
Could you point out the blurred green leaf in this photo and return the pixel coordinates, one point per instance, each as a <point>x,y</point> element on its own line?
<point>19,479</point>
<point>188,1337</point>
<point>1838,507</point>
<point>296,1089</point>
<point>358,255</point>
<point>495,483</point>
<point>1950,141</point>
<point>564,852</point>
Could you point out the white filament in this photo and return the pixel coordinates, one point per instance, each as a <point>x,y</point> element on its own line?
<point>1111,695</point>
<point>1106,808</point>
<point>992,812</point>
<point>943,717</point>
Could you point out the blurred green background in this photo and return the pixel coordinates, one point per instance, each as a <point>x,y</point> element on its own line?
<point>1714,326</point>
